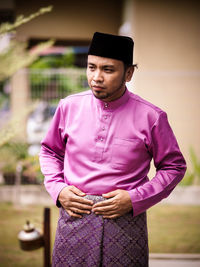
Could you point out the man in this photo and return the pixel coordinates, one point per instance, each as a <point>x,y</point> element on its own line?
<point>96,157</point>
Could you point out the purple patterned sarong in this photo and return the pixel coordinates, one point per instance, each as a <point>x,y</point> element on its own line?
<point>93,241</point>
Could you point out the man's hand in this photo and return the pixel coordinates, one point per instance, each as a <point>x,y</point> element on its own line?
<point>71,199</point>
<point>117,204</point>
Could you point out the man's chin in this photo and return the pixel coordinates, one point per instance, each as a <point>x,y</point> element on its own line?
<point>99,95</point>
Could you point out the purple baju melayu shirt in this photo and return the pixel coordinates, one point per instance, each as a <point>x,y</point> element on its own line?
<point>100,147</point>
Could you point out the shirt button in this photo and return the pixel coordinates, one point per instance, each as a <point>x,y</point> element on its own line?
<point>101,139</point>
<point>105,117</point>
<point>106,105</point>
<point>103,128</point>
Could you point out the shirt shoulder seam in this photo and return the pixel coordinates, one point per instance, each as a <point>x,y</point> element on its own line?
<point>81,94</point>
<point>64,101</point>
<point>150,105</point>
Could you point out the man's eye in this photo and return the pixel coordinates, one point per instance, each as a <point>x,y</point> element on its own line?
<point>108,70</point>
<point>91,67</point>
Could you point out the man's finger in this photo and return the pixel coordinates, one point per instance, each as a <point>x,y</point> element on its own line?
<point>81,200</point>
<point>103,203</point>
<point>81,206</point>
<point>73,214</point>
<point>110,194</point>
<point>100,209</point>
<point>113,216</point>
<point>80,211</point>
<point>105,212</point>
<point>77,191</point>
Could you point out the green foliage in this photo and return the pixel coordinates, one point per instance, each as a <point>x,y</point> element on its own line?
<point>31,169</point>
<point>10,154</point>
<point>8,27</point>
<point>49,74</point>
<point>16,55</point>
<point>13,128</point>
<point>14,152</point>
<point>54,62</point>
<point>3,95</point>
<point>53,84</point>
<point>188,179</point>
<point>192,177</point>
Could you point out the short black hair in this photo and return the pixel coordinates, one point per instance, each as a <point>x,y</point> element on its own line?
<point>126,66</point>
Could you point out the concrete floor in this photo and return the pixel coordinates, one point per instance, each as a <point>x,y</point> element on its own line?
<point>174,263</point>
<point>174,260</point>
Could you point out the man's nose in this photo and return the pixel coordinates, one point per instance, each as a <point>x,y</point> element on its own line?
<point>98,76</point>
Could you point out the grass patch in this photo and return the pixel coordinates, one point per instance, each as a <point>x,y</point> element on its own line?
<point>12,221</point>
<point>172,229</point>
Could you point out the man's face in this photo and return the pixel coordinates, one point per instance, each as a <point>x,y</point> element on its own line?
<point>106,77</point>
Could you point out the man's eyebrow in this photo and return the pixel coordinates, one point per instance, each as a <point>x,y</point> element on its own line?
<point>91,64</point>
<point>108,66</point>
<point>103,66</point>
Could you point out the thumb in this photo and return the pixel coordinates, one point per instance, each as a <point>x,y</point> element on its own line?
<point>77,191</point>
<point>110,194</point>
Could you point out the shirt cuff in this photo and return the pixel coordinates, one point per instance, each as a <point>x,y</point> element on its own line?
<point>137,202</point>
<point>55,192</point>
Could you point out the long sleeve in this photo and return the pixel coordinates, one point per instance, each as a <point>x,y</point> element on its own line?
<point>99,148</point>
<point>170,167</point>
<point>52,155</point>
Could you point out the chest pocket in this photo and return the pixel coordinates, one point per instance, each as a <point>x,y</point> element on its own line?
<point>127,154</point>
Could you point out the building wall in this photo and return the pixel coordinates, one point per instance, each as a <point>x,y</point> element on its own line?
<point>167,45</point>
<point>76,20</point>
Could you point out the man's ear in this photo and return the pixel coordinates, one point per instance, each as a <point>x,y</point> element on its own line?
<point>129,73</point>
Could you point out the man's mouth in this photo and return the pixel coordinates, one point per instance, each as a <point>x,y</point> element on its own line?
<point>98,88</point>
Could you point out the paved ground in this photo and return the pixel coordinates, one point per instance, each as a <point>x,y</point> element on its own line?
<point>174,260</point>
<point>173,263</point>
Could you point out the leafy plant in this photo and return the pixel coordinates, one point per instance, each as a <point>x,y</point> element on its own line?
<point>12,128</point>
<point>54,61</point>
<point>8,27</point>
<point>31,169</point>
<point>15,55</point>
<point>53,84</point>
<point>10,155</point>
<point>192,177</point>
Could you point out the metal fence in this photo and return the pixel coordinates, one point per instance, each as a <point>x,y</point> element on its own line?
<point>52,84</point>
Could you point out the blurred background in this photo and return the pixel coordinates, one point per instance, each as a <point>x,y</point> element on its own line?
<point>43,58</point>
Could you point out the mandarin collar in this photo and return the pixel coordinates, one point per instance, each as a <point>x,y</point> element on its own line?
<point>110,106</point>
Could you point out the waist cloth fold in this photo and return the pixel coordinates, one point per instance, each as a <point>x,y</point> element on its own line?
<point>93,241</point>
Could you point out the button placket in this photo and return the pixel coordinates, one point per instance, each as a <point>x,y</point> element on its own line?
<point>105,117</point>
<point>102,134</point>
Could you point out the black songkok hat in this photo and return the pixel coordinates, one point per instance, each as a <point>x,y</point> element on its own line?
<point>112,46</point>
